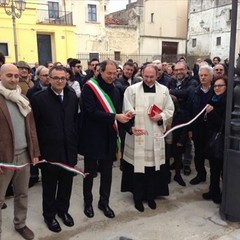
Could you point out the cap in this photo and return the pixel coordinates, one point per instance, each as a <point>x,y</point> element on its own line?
<point>22,64</point>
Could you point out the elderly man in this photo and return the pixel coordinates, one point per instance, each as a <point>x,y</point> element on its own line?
<point>55,111</point>
<point>198,99</point>
<point>144,151</point>
<point>18,146</point>
<point>41,84</point>
<point>25,81</point>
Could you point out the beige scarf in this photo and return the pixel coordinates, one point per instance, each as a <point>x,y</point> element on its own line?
<point>16,97</point>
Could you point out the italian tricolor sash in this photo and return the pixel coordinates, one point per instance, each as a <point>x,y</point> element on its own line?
<point>104,99</point>
<point>107,105</point>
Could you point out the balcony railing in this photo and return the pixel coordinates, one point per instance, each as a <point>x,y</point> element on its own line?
<point>55,17</point>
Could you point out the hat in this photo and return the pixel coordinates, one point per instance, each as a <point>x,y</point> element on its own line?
<point>22,64</point>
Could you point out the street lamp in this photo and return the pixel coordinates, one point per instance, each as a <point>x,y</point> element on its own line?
<point>14,8</point>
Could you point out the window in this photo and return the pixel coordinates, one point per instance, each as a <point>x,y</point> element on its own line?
<point>194,42</point>
<point>53,10</point>
<point>4,48</point>
<point>92,13</point>
<point>152,17</point>
<point>218,42</point>
<point>117,55</point>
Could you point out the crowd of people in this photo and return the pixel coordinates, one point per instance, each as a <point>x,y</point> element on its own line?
<point>55,112</point>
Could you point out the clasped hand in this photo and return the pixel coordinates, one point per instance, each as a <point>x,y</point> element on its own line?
<point>124,117</point>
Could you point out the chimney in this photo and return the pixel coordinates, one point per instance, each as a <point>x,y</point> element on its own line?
<point>129,1</point>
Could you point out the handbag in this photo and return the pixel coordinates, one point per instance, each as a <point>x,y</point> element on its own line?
<point>215,145</point>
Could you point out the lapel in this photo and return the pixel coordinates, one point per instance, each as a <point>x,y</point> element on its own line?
<point>4,108</point>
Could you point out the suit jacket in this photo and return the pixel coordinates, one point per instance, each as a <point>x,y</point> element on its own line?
<point>56,124</point>
<point>7,135</point>
<point>98,139</point>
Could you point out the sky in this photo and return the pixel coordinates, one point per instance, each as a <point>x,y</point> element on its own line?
<point>115,5</point>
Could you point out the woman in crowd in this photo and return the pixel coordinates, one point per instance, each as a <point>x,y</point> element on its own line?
<point>72,82</point>
<point>215,117</point>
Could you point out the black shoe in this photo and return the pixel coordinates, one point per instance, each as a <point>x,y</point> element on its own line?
<point>179,180</point>
<point>33,181</point>
<point>53,225</point>
<point>108,212</point>
<point>217,198</point>
<point>187,170</point>
<point>197,180</point>
<point>152,204</point>
<point>4,206</point>
<point>67,219</point>
<point>139,205</point>
<point>207,196</point>
<point>88,210</point>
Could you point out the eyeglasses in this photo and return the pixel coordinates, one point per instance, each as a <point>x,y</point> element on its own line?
<point>78,66</point>
<point>44,75</point>
<point>58,78</point>
<point>220,70</point>
<point>219,85</point>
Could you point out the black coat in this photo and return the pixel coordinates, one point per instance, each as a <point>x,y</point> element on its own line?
<point>181,93</point>
<point>216,118</point>
<point>196,102</point>
<point>98,139</point>
<point>122,83</point>
<point>56,124</point>
<point>31,91</point>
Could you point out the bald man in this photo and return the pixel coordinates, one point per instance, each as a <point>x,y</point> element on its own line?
<point>19,145</point>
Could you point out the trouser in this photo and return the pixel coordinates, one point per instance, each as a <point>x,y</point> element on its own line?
<point>20,180</point>
<point>199,158</point>
<point>105,169</point>
<point>216,167</point>
<point>143,185</point>
<point>57,189</point>
<point>188,153</point>
<point>34,171</point>
<point>179,136</point>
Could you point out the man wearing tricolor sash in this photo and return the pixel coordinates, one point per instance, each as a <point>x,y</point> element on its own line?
<point>100,115</point>
<point>144,151</point>
<point>18,146</point>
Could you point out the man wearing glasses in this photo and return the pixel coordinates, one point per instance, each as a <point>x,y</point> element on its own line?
<point>76,68</point>
<point>55,112</point>
<point>40,85</point>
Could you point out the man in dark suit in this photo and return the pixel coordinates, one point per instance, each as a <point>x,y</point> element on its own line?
<point>41,84</point>
<point>98,134</point>
<point>55,111</point>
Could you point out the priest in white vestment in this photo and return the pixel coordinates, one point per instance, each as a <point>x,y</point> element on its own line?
<point>144,150</point>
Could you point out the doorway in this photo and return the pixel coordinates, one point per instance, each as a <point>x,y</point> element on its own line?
<point>44,48</point>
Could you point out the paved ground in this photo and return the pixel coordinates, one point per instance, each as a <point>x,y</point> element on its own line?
<point>181,216</point>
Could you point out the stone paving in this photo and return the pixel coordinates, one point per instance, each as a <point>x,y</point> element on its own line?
<point>183,215</point>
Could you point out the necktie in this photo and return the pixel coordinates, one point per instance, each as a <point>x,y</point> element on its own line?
<point>60,98</point>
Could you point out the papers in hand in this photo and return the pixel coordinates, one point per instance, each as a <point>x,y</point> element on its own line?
<point>153,110</point>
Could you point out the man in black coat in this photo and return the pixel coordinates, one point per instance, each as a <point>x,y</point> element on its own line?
<point>42,74</point>
<point>98,134</point>
<point>55,112</point>
<point>197,131</point>
<point>180,87</point>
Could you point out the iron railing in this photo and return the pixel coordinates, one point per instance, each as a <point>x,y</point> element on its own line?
<point>55,17</point>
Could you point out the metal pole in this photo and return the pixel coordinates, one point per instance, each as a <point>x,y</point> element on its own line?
<point>15,37</point>
<point>229,158</point>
